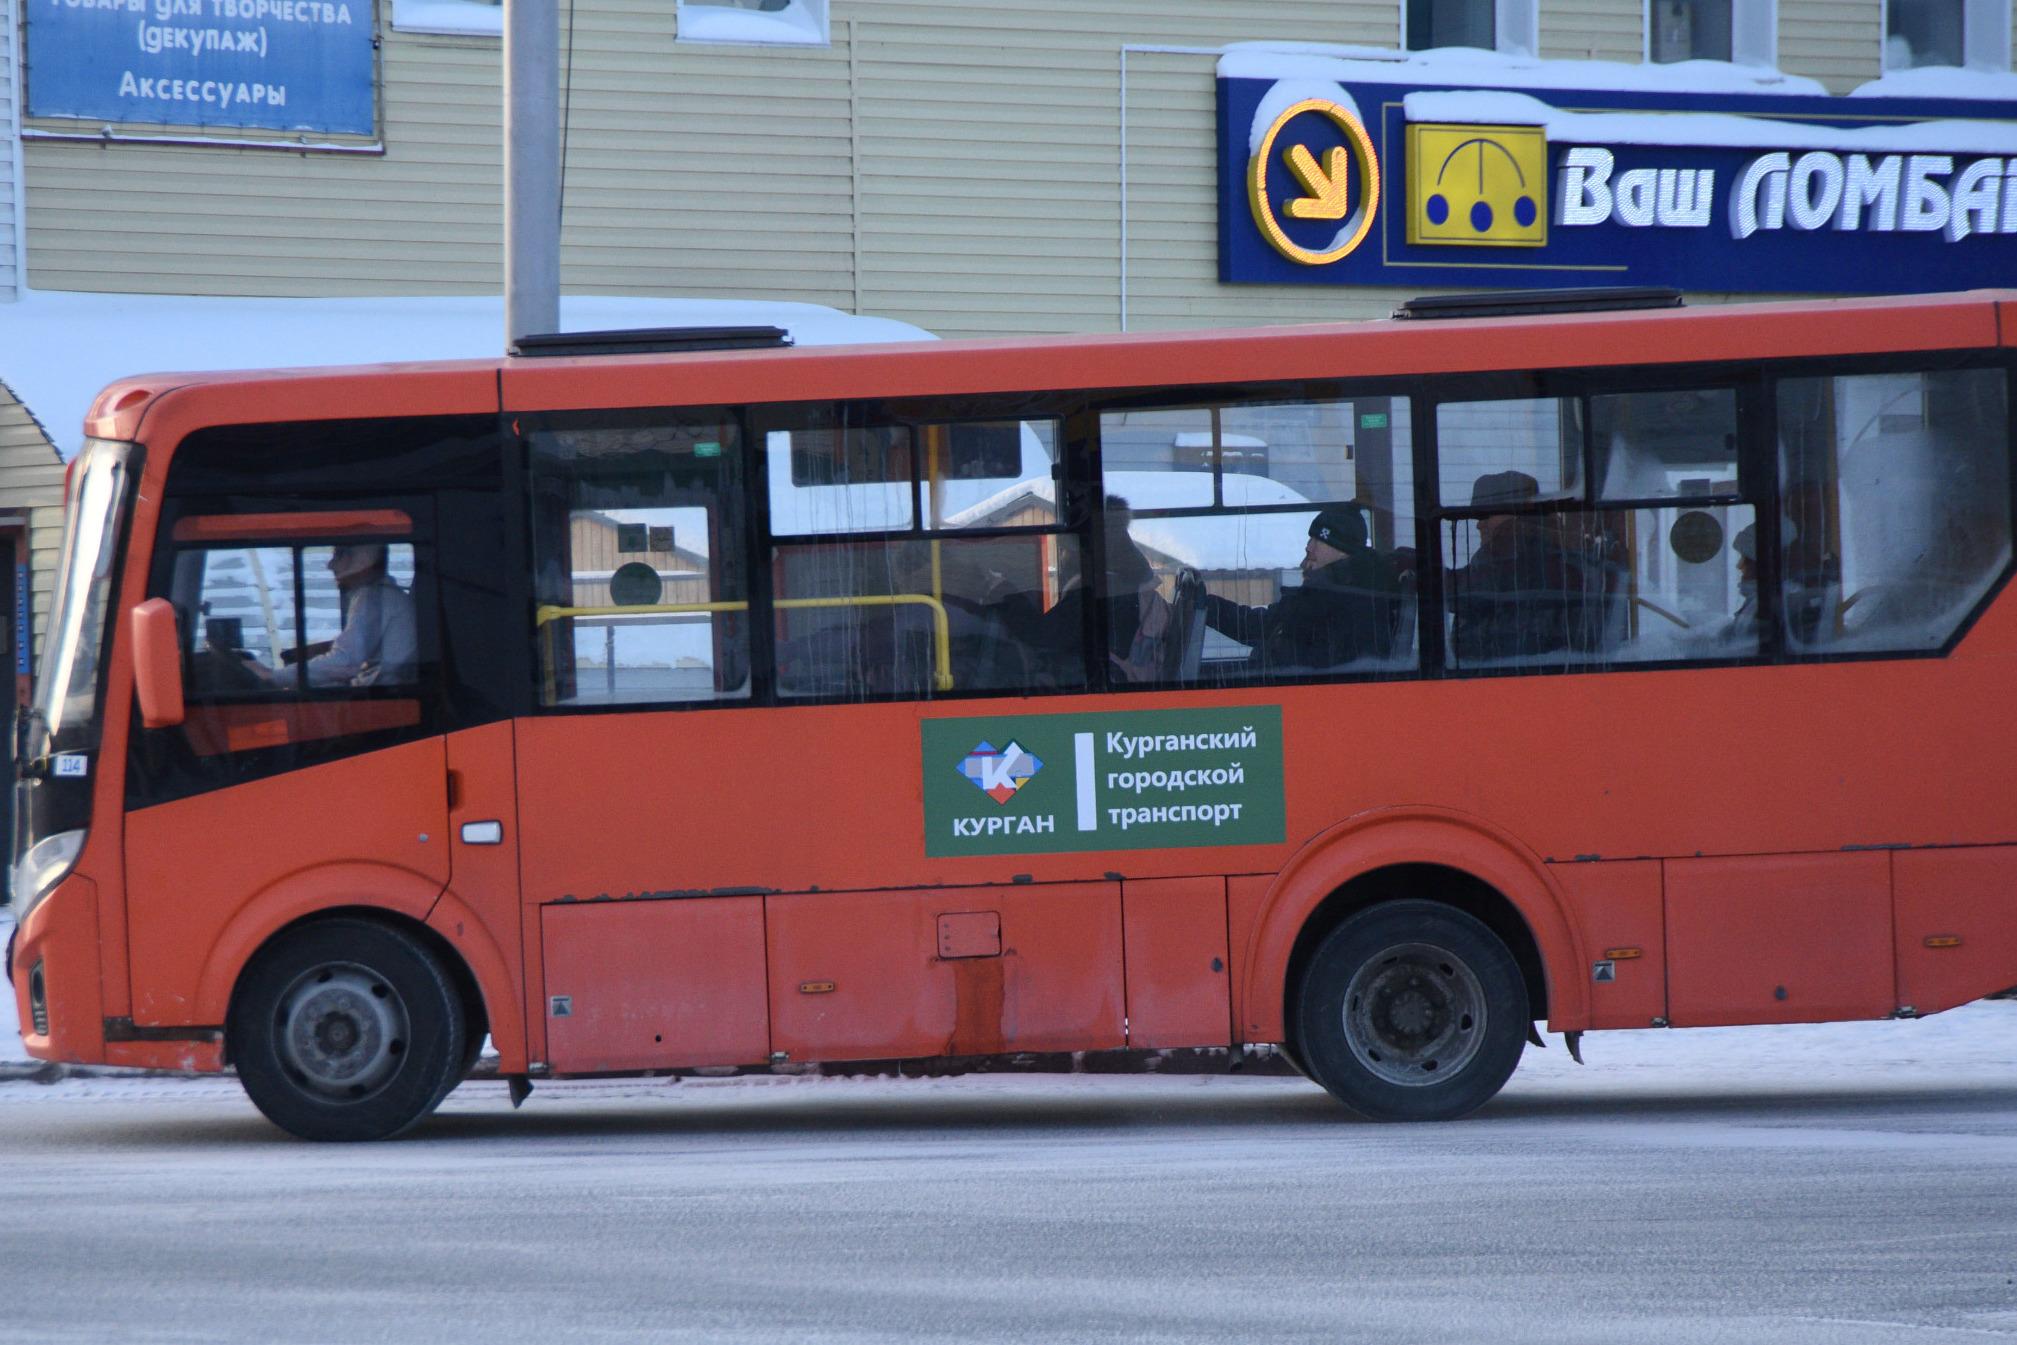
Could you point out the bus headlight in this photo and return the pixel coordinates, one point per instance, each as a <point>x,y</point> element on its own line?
<point>46,864</point>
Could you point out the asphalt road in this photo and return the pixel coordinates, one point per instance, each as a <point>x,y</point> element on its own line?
<point>1575,1209</point>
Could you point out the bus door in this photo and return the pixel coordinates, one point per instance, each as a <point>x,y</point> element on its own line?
<point>307,772</point>
<point>642,952</point>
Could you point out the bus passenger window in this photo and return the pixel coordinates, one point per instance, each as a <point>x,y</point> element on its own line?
<point>640,579</point>
<point>926,616</point>
<point>972,600</point>
<point>1591,588</point>
<point>834,476</point>
<point>1538,439</point>
<point>1658,445</point>
<point>1896,489</point>
<point>1262,540</point>
<point>1590,530</point>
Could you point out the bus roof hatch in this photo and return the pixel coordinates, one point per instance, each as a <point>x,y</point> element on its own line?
<point>1533,303</point>
<point>652,341</point>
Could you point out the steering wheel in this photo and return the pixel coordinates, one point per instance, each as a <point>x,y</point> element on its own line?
<point>215,669</point>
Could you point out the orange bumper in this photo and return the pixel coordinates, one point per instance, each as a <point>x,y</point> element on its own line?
<point>56,952</point>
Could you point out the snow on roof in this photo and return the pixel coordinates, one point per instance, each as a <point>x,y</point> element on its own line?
<point>58,349</point>
<point>1212,542</point>
<point>1215,542</point>
<point>1469,67</point>
<point>1497,108</point>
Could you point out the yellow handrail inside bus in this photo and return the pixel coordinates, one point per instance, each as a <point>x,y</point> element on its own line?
<point>941,628</point>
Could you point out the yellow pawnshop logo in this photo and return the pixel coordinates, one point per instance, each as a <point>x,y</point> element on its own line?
<point>1485,186</point>
<point>1325,181</point>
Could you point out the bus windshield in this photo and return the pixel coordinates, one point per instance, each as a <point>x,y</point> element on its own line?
<point>66,717</point>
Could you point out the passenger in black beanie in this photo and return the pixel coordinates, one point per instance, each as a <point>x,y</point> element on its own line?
<point>1344,609</point>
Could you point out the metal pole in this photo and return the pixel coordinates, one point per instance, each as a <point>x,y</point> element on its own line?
<point>531,168</point>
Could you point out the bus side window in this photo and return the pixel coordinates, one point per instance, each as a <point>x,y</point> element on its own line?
<point>1235,498</point>
<point>638,548</point>
<point>1896,489</point>
<point>877,594</point>
<point>1591,530</point>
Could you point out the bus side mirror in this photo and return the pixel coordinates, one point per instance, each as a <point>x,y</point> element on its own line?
<point>157,663</point>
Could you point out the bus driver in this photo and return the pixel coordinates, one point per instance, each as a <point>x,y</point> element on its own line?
<point>376,644</point>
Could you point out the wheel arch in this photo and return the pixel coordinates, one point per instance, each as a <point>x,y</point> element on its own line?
<point>350,887</point>
<point>452,962</point>
<point>1439,854</point>
<point>381,892</point>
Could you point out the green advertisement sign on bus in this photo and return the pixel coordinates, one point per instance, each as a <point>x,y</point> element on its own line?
<point>1128,780</point>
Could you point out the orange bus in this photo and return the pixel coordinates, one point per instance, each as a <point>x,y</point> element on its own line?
<point>1374,692</point>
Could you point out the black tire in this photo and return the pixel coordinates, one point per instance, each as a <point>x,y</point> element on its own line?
<point>346,1029</point>
<point>1412,1011</point>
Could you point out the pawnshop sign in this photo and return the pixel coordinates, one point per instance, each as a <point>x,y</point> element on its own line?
<point>1504,189</point>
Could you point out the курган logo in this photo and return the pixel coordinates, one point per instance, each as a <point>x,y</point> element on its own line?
<point>999,774</point>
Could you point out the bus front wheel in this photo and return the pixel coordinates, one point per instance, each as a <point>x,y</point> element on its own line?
<point>347,1030</point>
<point>1412,1011</point>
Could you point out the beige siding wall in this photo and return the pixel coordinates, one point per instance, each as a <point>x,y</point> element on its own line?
<point>705,170</point>
<point>1839,42</point>
<point>31,482</point>
<point>991,161</point>
<point>1593,30</point>
<point>955,165</point>
<point>423,218</point>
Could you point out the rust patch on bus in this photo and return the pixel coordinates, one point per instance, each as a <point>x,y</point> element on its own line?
<point>977,1014</point>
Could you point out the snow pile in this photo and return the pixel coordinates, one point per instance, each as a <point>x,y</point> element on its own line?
<point>1942,81</point>
<point>58,349</point>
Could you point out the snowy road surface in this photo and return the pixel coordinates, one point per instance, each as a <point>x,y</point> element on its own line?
<point>1843,1184</point>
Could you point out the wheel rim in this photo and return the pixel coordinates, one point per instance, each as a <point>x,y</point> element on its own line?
<point>1414,1015</point>
<point>342,1031</point>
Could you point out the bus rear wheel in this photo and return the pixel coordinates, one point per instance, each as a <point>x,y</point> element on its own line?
<point>347,1030</point>
<point>1412,1011</point>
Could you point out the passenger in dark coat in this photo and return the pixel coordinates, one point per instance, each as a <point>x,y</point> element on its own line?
<point>1137,615</point>
<point>1513,599</point>
<point>1344,609</point>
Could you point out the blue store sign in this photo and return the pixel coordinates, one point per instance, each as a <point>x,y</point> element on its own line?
<point>275,65</point>
<point>1355,181</point>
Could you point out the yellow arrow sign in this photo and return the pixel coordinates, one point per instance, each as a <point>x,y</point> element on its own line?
<point>1324,183</point>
